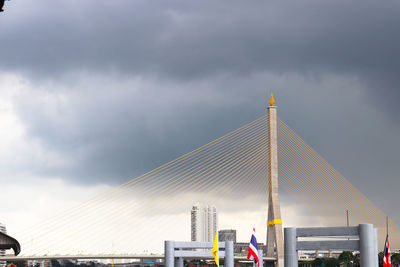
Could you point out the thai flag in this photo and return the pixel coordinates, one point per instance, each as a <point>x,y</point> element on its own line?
<point>386,254</point>
<point>253,250</point>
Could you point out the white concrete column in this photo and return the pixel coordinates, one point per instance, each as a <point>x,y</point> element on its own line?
<point>367,246</point>
<point>291,254</point>
<point>260,258</point>
<point>169,256</point>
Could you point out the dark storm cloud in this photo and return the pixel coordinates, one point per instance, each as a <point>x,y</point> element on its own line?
<point>192,39</point>
<point>187,40</point>
<point>113,135</point>
<point>180,45</point>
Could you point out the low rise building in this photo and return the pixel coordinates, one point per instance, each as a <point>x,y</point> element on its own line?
<point>227,235</point>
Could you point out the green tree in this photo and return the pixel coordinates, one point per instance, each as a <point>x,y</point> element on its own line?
<point>346,257</point>
<point>331,262</point>
<point>380,257</point>
<point>318,262</point>
<point>69,264</point>
<point>395,259</point>
<point>55,263</point>
<point>356,260</point>
<point>304,264</point>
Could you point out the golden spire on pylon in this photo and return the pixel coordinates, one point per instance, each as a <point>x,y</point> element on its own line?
<point>272,100</point>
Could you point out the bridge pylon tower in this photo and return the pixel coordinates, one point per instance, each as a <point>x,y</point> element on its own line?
<point>274,228</point>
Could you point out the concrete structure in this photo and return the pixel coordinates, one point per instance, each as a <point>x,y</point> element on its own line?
<point>203,223</point>
<point>361,238</point>
<point>242,248</point>
<point>227,235</point>
<point>3,251</point>
<point>7,242</point>
<point>274,230</point>
<point>175,252</point>
<point>138,257</point>
<point>239,248</point>
<point>261,258</point>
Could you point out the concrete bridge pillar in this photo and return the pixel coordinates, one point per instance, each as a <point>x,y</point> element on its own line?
<point>169,253</point>
<point>260,257</point>
<point>229,258</point>
<point>367,246</point>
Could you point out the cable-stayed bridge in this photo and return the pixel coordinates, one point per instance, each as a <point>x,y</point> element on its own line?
<point>231,173</point>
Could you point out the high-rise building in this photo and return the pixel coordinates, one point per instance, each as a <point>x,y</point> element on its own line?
<point>212,222</point>
<point>197,223</point>
<point>204,223</point>
<point>2,251</point>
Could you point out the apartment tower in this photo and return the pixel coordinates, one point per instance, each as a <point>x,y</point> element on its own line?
<point>203,223</point>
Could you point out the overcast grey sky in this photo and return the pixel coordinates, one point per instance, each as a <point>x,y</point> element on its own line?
<point>96,92</point>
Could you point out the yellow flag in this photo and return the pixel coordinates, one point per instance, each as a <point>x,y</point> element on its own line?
<point>215,249</point>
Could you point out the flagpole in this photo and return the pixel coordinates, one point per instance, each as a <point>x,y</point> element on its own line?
<point>347,219</point>
<point>387,226</point>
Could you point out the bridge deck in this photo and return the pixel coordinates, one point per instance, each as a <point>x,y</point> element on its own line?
<point>93,257</point>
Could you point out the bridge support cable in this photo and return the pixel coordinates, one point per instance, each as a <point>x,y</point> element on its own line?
<point>116,192</point>
<point>229,164</point>
<point>182,179</point>
<point>228,173</point>
<point>327,194</point>
<point>161,188</point>
<point>167,208</point>
<point>152,202</point>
